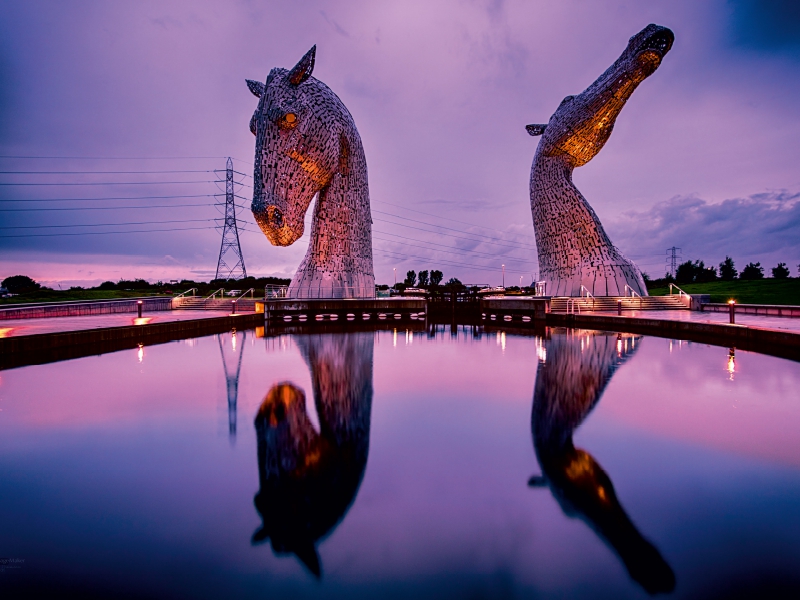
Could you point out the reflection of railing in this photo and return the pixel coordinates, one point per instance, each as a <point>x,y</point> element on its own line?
<point>634,293</point>
<point>182,294</point>
<point>588,294</point>
<point>220,291</point>
<point>681,294</point>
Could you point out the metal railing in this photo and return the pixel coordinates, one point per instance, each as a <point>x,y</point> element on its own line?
<point>573,303</point>
<point>182,294</point>
<point>634,294</point>
<point>588,294</point>
<point>681,294</point>
<point>540,288</point>
<point>321,291</point>
<point>220,291</point>
<point>251,291</point>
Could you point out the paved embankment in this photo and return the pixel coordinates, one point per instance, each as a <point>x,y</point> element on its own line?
<point>50,347</point>
<point>765,310</point>
<point>81,308</point>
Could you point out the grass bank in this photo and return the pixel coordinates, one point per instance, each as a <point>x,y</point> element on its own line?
<point>67,295</point>
<point>759,291</point>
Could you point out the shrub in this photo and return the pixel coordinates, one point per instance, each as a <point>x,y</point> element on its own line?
<point>752,271</point>
<point>20,284</point>
<point>780,272</point>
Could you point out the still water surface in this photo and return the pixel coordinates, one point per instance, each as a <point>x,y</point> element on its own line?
<point>395,464</point>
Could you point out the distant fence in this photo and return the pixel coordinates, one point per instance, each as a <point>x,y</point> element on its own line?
<point>764,310</point>
<point>83,308</point>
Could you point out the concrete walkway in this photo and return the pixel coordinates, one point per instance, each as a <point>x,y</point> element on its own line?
<point>17,327</point>
<point>693,316</point>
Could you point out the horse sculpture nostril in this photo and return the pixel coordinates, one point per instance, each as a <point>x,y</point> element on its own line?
<point>275,216</point>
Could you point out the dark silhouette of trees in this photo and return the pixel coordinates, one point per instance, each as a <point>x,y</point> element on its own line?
<point>780,272</point>
<point>19,284</point>
<point>436,277</point>
<point>423,278</point>
<point>411,278</point>
<point>752,271</point>
<point>727,270</point>
<point>695,272</point>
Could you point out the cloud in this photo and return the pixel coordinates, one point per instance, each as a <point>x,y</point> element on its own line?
<point>761,227</point>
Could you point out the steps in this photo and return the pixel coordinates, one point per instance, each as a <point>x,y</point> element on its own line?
<point>609,303</point>
<point>198,303</point>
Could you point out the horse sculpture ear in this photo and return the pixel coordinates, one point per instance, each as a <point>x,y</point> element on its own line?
<point>256,87</point>
<point>302,70</point>
<point>536,129</point>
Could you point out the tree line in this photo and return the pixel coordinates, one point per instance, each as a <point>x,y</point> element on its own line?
<point>697,272</point>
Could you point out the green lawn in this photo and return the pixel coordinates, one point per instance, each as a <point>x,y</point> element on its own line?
<point>760,291</point>
<point>66,295</point>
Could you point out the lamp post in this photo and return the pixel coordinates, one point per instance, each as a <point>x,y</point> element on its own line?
<point>395,276</point>
<point>732,310</point>
<point>504,276</point>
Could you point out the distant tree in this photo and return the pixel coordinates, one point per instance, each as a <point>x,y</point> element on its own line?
<point>423,278</point>
<point>685,272</point>
<point>436,277</point>
<point>695,272</point>
<point>107,285</point>
<point>752,271</point>
<point>727,270</point>
<point>703,274</point>
<point>19,284</point>
<point>411,278</point>
<point>453,282</point>
<point>646,278</point>
<point>780,272</point>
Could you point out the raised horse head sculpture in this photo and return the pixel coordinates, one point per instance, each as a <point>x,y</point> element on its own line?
<point>573,248</point>
<point>308,479</point>
<point>307,145</point>
<point>569,383</point>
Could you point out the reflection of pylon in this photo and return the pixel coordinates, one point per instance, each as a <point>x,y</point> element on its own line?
<point>232,380</point>
<point>233,266</point>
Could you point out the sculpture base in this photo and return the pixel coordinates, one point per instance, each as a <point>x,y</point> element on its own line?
<point>619,279</point>
<point>324,285</point>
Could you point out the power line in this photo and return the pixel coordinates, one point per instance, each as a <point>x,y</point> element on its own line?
<point>111,183</point>
<point>103,199</point>
<point>452,250</point>
<point>449,219</point>
<point>105,207</point>
<point>29,235</point>
<point>102,224</point>
<point>451,263</point>
<point>103,172</point>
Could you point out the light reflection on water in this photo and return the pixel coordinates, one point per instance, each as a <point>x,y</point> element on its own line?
<point>366,467</point>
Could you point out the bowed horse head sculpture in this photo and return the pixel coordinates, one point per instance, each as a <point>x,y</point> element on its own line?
<point>573,247</point>
<point>307,145</point>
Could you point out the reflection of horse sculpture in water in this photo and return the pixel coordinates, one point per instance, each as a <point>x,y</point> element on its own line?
<point>573,247</point>
<point>308,480</point>
<point>569,383</point>
<point>307,143</point>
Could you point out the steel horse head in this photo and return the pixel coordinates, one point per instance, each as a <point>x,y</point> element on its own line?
<point>307,145</point>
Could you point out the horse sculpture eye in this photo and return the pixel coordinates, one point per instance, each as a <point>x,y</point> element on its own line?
<point>289,120</point>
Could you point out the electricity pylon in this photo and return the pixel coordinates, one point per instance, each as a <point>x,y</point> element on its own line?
<point>230,252</point>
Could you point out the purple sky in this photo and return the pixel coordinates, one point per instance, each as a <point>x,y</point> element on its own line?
<point>704,156</point>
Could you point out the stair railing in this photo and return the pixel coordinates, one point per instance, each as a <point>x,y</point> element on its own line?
<point>182,294</point>
<point>220,291</point>
<point>634,293</point>
<point>251,291</point>
<point>573,304</point>
<point>681,294</point>
<point>588,294</point>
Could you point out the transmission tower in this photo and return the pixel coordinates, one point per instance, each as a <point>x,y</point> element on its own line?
<point>232,379</point>
<point>673,256</point>
<point>231,262</point>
